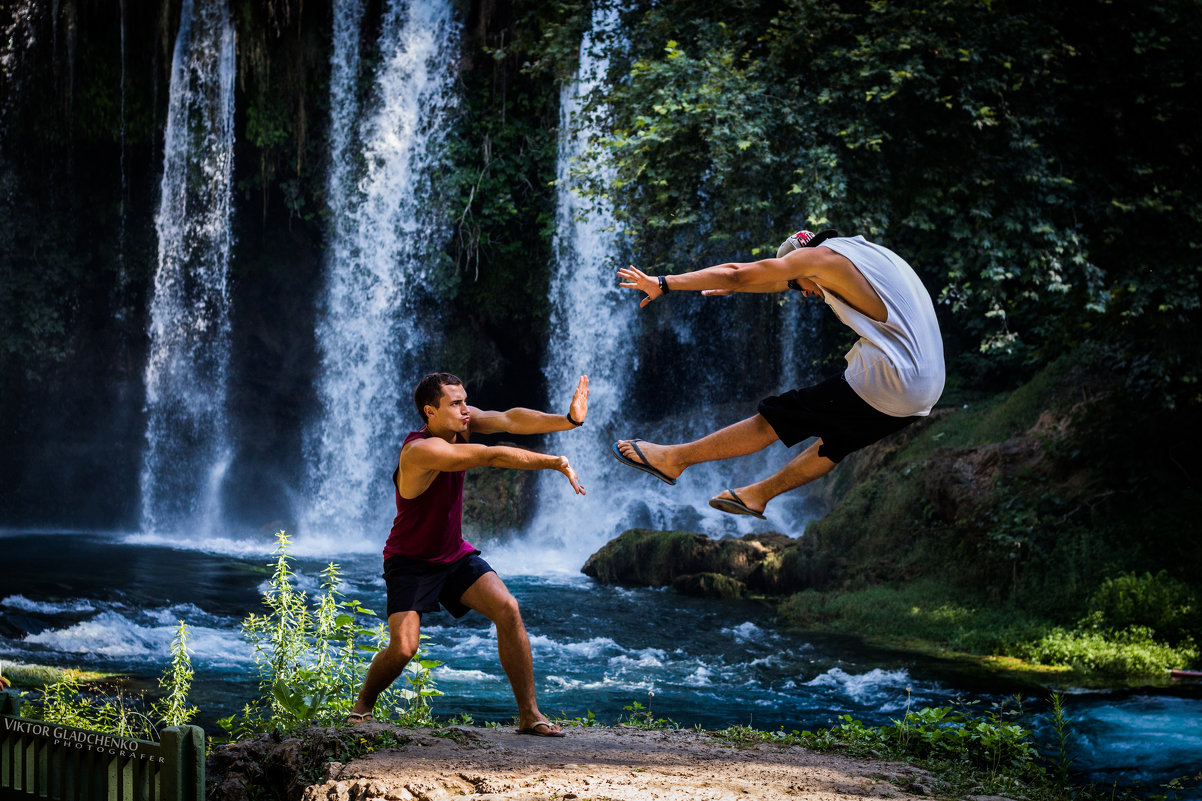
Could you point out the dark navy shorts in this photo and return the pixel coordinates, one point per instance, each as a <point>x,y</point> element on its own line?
<point>417,586</point>
<point>832,411</point>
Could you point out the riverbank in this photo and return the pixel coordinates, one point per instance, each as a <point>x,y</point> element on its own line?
<point>375,760</point>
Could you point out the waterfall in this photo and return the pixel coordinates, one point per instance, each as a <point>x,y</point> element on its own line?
<point>373,333</point>
<point>589,313</point>
<point>187,439</point>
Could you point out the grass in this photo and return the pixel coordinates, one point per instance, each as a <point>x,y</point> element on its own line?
<point>31,676</point>
<point>925,617</point>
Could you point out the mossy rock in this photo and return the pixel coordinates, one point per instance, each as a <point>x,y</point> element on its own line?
<point>710,585</point>
<point>647,558</point>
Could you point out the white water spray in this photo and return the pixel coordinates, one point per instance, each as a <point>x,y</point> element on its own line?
<point>187,440</point>
<point>372,329</point>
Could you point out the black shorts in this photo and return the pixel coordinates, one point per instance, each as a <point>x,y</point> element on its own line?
<point>417,586</point>
<point>833,411</point>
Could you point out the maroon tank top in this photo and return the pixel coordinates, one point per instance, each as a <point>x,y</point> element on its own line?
<point>429,527</point>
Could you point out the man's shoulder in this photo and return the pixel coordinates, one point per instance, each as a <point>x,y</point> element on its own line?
<point>428,444</point>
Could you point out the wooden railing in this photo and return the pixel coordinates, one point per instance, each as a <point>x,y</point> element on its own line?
<point>45,760</point>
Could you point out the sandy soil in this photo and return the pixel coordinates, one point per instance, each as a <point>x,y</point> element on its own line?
<point>606,763</point>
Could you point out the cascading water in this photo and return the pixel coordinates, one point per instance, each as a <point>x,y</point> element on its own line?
<point>589,313</point>
<point>187,439</point>
<point>372,332</point>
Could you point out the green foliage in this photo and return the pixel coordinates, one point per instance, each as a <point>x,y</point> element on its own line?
<point>71,701</point>
<point>311,661</point>
<point>965,751</point>
<point>639,716</point>
<point>25,675</point>
<point>176,681</point>
<point>1131,651</point>
<point>1061,761</point>
<point>928,612</point>
<point>1158,603</point>
<point>685,123</point>
<point>588,720</point>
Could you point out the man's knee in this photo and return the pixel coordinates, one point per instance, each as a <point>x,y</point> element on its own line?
<point>400,649</point>
<point>507,612</point>
<point>404,637</point>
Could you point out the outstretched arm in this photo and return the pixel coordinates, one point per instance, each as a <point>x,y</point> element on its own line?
<point>437,455</point>
<point>820,267</point>
<point>722,279</point>
<point>766,275</point>
<point>529,421</point>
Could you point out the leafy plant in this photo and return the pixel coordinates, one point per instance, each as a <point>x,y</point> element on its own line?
<point>311,659</point>
<point>640,717</point>
<point>176,681</point>
<point>1061,761</point>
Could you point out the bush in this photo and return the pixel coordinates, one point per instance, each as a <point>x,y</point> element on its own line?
<point>1159,603</point>
<point>1132,651</point>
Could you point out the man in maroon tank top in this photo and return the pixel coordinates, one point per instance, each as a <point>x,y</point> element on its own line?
<point>426,560</point>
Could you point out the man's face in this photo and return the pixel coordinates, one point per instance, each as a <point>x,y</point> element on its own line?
<point>452,413</point>
<point>808,288</point>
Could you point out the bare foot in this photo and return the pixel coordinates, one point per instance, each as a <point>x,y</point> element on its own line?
<point>657,456</point>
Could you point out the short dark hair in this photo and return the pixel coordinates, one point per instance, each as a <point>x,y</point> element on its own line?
<point>429,391</point>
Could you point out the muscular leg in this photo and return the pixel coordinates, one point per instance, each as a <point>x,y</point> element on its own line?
<point>744,437</point>
<point>404,636</point>
<point>801,469</point>
<point>490,597</point>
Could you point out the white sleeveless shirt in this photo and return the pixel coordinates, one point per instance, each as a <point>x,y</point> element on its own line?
<point>896,366</point>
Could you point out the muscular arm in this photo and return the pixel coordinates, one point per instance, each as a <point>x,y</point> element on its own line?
<point>517,421</point>
<point>438,455</point>
<point>529,421</point>
<point>421,460</point>
<point>822,266</point>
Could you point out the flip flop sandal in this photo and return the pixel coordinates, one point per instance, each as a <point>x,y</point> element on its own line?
<point>643,465</point>
<point>534,730</point>
<point>734,505</point>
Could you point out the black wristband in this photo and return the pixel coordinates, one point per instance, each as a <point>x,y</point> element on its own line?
<point>573,422</point>
<point>663,285</point>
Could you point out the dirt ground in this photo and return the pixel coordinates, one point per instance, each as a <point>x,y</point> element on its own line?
<point>622,764</point>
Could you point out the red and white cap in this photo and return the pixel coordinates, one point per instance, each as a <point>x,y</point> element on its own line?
<point>804,239</point>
